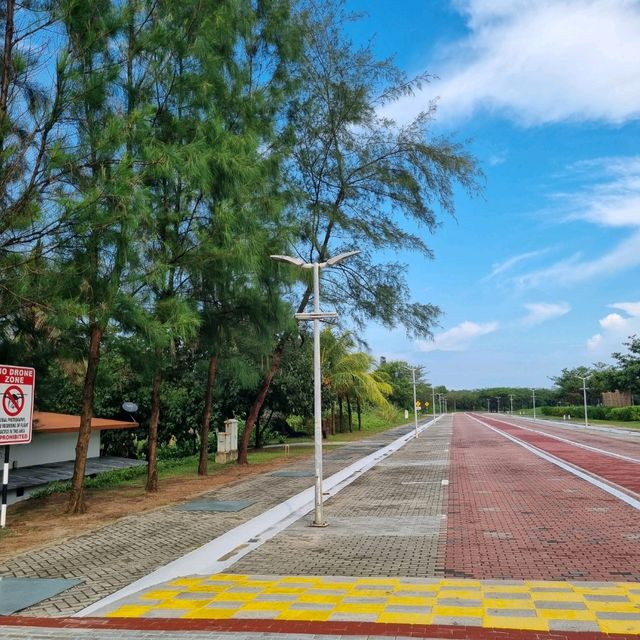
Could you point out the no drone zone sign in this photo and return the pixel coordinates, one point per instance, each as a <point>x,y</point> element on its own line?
<point>16,404</point>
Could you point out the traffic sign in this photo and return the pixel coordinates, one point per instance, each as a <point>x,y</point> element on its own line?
<point>17,385</point>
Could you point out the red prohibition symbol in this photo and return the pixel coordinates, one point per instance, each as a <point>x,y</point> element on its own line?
<point>13,401</point>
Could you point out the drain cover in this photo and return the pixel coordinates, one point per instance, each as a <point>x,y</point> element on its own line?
<point>294,474</point>
<point>20,593</point>
<point>215,505</point>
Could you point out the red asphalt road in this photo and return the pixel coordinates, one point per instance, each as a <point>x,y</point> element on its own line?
<point>514,515</point>
<point>622,472</point>
<point>622,444</point>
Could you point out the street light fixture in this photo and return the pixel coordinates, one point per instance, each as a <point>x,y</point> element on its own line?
<point>498,399</point>
<point>511,403</point>
<point>316,315</point>
<point>584,396</point>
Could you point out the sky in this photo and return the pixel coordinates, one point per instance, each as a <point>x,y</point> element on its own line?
<point>542,270</point>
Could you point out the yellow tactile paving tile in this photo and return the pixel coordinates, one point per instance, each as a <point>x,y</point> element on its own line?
<point>528,604</point>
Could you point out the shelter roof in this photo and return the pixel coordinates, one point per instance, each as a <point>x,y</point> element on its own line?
<point>47,422</point>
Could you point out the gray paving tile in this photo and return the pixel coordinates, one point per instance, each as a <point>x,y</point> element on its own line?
<point>560,604</point>
<point>617,615</point>
<point>512,613</point>
<point>471,621</point>
<point>573,625</point>
<point>459,602</point>
<point>402,608</point>
<point>597,597</point>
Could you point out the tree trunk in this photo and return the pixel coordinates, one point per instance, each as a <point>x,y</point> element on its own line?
<point>7,63</point>
<point>359,411</point>
<point>152,443</point>
<point>257,444</point>
<point>340,416</point>
<point>349,415</point>
<point>250,423</point>
<point>206,418</point>
<point>76,497</point>
<point>333,418</point>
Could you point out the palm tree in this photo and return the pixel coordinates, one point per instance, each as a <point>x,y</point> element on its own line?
<point>348,375</point>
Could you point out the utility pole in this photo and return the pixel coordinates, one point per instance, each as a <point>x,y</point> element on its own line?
<point>511,403</point>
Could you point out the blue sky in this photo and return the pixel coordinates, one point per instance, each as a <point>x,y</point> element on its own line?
<point>542,271</point>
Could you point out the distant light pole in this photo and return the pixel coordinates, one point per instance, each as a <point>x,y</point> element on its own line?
<point>498,399</point>
<point>316,315</point>
<point>415,399</point>
<point>439,402</point>
<point>433,402</point>
<point>534,403</point>
<point>488,405</point>
<point>584,396</point>
<point>511,403</point>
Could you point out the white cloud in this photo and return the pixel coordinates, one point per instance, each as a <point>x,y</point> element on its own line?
<point>458,337</point>
<point>540,312</point>
<point>611,198</point>
<point>615,328</point>
<point>632,308</point>
<point>539,61</point>
<point>625,255</point>
<point>500,267</point>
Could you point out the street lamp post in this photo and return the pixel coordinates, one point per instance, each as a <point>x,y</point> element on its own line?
<point>415,398</point>
<point>316,315</point>
<point>433,402</point>
<point>498,399</point>
<point>488,405</point>
<point>511,403</point>
<point>534,403</point>
<point>584,396</point>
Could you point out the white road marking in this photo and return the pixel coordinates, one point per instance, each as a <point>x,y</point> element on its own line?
<point>577,444</point>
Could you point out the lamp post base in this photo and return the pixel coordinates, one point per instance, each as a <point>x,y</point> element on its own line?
<point>319,524</point>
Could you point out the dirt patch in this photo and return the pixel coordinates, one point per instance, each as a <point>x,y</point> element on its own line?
<point>37,523</point>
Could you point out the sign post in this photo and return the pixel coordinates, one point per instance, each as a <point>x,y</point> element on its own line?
<point>17,386</point>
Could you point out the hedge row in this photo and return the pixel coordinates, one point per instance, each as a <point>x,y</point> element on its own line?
<point>623,414</point>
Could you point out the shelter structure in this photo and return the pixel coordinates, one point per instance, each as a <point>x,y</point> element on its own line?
<point>51,453</point>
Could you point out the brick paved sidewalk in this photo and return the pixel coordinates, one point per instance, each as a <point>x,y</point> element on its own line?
<point>114,556</point>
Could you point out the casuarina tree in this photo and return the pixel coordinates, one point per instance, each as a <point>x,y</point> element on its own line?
<point>360,177</point>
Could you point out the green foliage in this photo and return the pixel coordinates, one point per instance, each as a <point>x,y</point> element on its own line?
<point>621,414</point>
